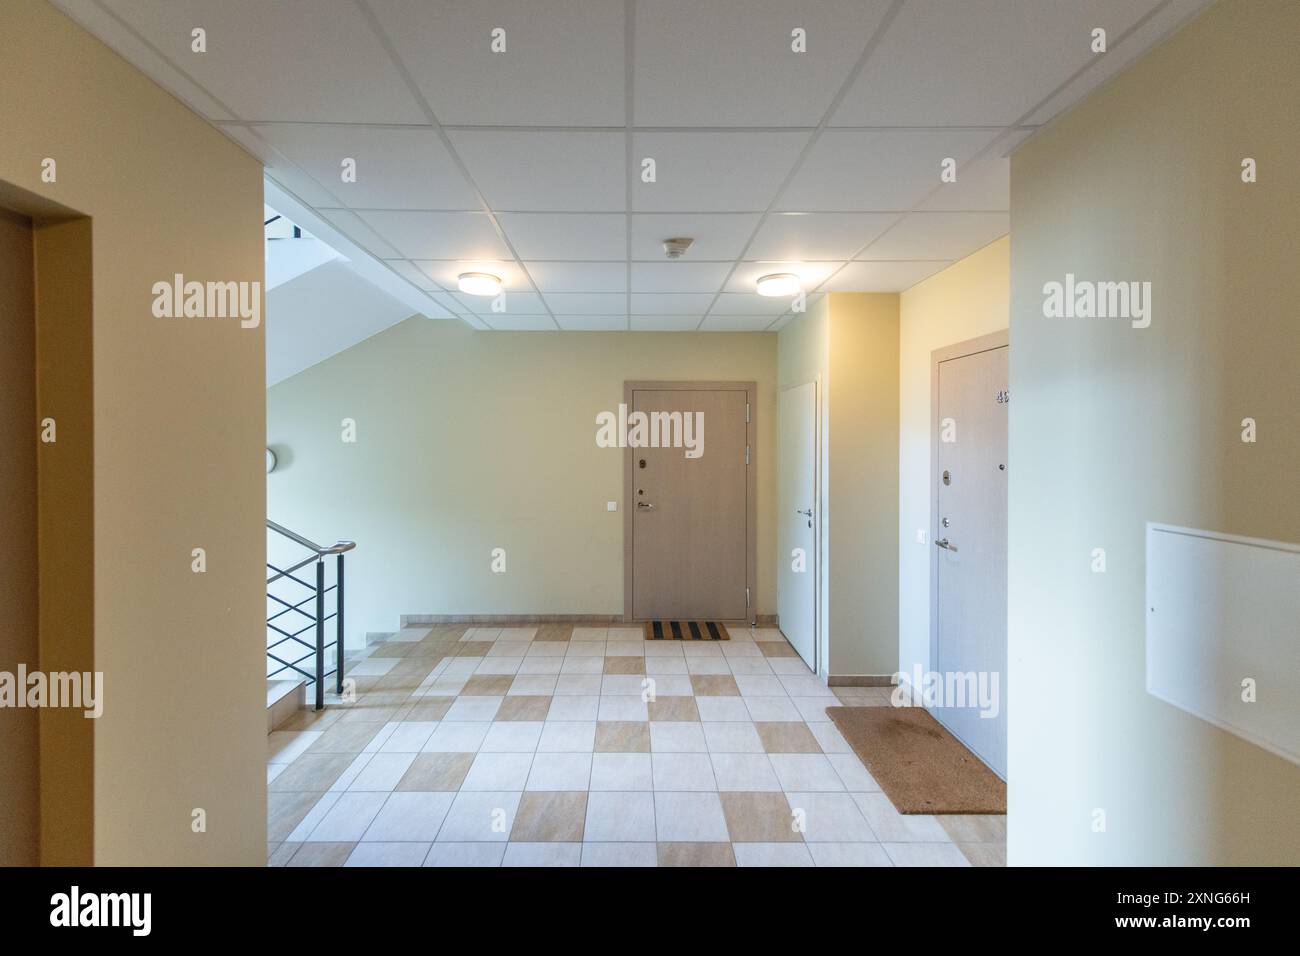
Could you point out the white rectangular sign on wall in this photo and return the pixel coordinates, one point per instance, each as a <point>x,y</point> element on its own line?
<point>1223,632</point>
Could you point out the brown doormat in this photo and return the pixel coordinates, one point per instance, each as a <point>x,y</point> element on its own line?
<point>685,631</point>
<point>921,767</point>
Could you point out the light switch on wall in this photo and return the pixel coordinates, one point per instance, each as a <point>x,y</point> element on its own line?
<point>611,505</point>
<point>920,536</point>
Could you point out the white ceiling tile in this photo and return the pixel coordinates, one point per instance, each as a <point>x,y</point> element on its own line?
<point>737,323</point>
<point>566,236</point>
<point>130,47</point>
<point>519,323</point>
<point>546,170</point>
<point>881,276</point>
<point>678,276</point>
<point>416,277</point>
<point>874,170</point>
<point>750,303</point>
<point>446,272</point>
<point>438,235</point>
<point>730,62</point>
<point>665,323</point>
<point>352,226</point>
<point>511,303</point>
<point>280,169</point>
<point>811,274</point>
<point>562,65</point>
<point>823,235</point>
<point>579,276</point>
<point>939,235</point>
<point>279,61</point>
<point>716,235</point>
<point>586,303</point>
<point>984,184</point>
<point>722,172</point>
<point>670,303</point>
<point>395,168</point>
<point>977,62</point>
<point>592,323</point>
<point>1120,55</point>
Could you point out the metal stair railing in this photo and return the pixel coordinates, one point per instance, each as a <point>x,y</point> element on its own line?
<point>292,614</point>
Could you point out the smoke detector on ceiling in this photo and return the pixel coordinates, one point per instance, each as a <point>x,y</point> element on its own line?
<point>673,248</point>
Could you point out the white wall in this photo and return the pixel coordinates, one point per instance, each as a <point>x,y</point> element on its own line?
<point>803,356</point>
<point>966,300</point>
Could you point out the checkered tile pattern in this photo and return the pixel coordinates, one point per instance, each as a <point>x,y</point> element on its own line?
<point>561,745</point>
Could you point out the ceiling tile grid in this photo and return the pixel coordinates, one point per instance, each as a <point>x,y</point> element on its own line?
<point>558,143</point>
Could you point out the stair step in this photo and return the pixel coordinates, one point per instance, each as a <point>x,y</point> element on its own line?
<point>284,698</point>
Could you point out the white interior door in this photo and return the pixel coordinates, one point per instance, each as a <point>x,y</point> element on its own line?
<point>971,549</point>
<point>797,527</point>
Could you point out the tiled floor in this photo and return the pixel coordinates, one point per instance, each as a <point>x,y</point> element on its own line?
<point>563,745</point>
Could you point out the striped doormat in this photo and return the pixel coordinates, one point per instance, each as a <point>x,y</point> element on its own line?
<point>685,631</point>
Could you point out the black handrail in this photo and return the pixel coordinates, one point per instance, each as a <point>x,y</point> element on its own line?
<point>316,620</point>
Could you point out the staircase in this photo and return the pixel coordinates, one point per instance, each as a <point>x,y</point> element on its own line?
<point>298,609</point>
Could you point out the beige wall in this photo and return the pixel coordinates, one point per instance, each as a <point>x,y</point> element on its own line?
<point>1112,427</point>
<point>179,424</point>
<point>862,506</point>
<point>19,783</point>
<point>966,300</point>
<point>468,442</point>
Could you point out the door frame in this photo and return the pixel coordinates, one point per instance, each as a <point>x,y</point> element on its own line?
<point>819,655</point>
<point>751,485</point>
<point>982,343</point>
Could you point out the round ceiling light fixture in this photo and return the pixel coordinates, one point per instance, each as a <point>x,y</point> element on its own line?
<point>478,283</point>
<point>779,284</point>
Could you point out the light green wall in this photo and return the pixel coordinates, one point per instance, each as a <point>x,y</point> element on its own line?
<point>469,441</point>
<point>1112,427</point>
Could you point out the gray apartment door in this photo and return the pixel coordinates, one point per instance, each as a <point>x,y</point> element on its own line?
<point>969,648</point>
<point>690,514</point>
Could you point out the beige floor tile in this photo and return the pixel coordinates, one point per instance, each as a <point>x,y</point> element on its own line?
<point>624,665</point>
<point>308,719</point>
<point>787,737</point>
<point>322,854</point>
<point>714,685</point>
<point>674,708</point>
<point>436,772</point>
<point>278,854</point>
<point>984,854</point>
<point>346,737</point>
<point>284,811</point>
<point>759,818</point>
<point>553,632</point>
<point>696,854</point>
<point>524,708</point>
<point>488,685</point>
<point>622,736</point>
<point>550,816</point>
<point>974,828</point>
<point>473,648</point>
<point>429,708</point>
<point>312,772</point>
<point>776,649</point>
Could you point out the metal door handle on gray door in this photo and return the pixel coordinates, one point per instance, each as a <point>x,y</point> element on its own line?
<point>943,543</point>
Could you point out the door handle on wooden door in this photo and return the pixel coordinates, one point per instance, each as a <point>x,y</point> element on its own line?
<point>644,506</point>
